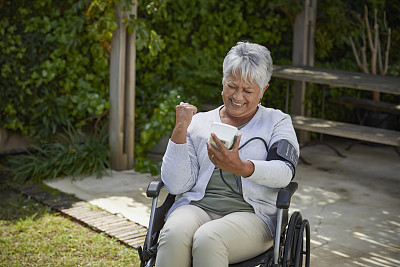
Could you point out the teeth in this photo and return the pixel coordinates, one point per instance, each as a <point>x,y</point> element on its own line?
<point>237,104</point>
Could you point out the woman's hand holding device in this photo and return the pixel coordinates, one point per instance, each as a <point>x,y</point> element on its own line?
<point>223,150</point>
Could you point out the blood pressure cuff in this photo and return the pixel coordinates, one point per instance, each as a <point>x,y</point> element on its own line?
<point>285,151</point>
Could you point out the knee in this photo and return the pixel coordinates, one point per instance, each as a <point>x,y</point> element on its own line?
<point>207,238</point>
<point>174,247</point>
<point>176,232</point>
<point>209,248</point>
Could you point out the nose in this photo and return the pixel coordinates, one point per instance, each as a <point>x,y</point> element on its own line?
<point>238,95</point>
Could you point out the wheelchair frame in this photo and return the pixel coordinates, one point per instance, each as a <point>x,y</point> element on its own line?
<point>290,248</point>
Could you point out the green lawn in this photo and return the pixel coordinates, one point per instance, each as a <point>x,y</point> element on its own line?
<point>31,234</point>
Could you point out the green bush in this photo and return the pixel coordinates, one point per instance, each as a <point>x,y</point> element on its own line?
<point>54,58</point>
<point>74,155</point>
<point>198,34</point>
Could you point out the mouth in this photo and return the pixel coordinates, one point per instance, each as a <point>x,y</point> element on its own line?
<point>236,104</point>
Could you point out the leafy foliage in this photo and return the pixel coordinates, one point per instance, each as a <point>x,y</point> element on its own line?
<point>54,62</point>
<point>74,155</point>
<point>197,36</point>
<point>54,58</point>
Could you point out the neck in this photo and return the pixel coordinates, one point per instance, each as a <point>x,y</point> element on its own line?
<point>235,121</point>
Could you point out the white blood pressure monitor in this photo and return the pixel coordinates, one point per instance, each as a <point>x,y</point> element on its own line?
<point>225,132</point>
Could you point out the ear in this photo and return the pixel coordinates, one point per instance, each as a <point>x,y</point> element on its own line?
<point>263,91</point>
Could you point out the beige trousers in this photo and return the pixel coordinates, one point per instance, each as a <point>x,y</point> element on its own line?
<point>194,237</point>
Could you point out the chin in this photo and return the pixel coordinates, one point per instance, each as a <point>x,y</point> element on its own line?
<point>237,112</point>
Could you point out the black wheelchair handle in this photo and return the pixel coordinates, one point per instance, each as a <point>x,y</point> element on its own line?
<point>154,188</point>
<point>285,194</point>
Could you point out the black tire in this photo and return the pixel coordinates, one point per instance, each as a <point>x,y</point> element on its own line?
<point>289,254</point>
<point>300,252</point>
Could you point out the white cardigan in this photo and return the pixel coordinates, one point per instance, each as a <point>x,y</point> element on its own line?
<point>186,168</point>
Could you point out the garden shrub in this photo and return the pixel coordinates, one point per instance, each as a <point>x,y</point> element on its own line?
<point>75,155</point>
<point>54,58</point>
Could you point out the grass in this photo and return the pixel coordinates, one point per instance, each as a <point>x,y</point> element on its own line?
<point>32,234</point>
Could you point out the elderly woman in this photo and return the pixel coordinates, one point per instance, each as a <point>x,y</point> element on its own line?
<point>224,211</point>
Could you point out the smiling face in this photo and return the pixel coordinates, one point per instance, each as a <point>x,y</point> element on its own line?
<point>240,100</point>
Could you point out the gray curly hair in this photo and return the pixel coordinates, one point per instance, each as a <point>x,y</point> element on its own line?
<point>252,61</point>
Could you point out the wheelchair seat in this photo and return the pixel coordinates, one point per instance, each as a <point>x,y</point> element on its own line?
<point>291,242</point>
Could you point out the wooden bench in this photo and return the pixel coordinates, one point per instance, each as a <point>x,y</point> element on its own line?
<point>338,78</point>
<point>348,130</point>
<point>377,114</point>
<point>368,104</point>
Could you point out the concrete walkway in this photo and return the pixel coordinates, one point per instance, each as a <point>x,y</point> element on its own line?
<point>352,203</point>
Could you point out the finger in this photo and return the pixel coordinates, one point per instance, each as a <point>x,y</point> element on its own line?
<point>218,142</point>
<point>188,106</point>
<point>179,107</point>
<point>192,109</point>
<point>185,104</point>
<point>211,151</point>
<point>236,145</point>
<point>210,148</point>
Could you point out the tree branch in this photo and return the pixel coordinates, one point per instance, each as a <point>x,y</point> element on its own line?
<point>361,66</point>
<point>380,57</point>
<point>387,51</point>
<point>371,45</point>
<point>364,51</point>
<point>375,46</point>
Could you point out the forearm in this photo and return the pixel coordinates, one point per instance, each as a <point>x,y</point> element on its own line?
<point>179,134</point>
<point>274,173</point>
<point>244,169</point>
<point>176,169</point>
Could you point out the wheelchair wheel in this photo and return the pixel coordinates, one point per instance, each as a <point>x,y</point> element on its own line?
<point>299,260</point>
<point>292,235</point>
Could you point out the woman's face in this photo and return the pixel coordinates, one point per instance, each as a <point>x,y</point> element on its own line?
<point>240,98</point>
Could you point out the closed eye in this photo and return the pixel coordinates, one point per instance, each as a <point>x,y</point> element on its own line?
<point>248,91</point>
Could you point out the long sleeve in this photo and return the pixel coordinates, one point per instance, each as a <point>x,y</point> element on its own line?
<point>274,173</point>
<point>178,169</point>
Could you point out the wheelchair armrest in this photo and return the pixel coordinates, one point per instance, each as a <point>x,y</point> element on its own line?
<point>285,194</point>
<point>154,188</point>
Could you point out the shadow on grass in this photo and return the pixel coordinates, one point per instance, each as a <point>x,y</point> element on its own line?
<point>16,200</point>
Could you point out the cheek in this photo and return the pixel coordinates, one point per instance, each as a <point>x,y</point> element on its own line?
<point>254,99</point>
<point>226,94</point>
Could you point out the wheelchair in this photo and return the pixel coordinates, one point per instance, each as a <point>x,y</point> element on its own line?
<point>291,245</point>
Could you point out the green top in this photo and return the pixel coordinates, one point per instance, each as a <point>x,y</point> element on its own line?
<point>220,199</point>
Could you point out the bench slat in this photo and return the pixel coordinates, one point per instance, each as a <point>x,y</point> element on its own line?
<point>339,78</point>
<point>368,104</point>
<point>348,130</point>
